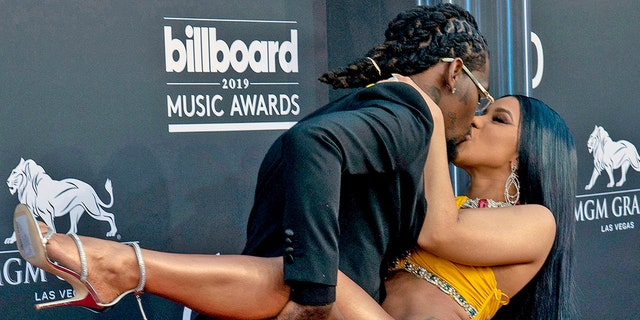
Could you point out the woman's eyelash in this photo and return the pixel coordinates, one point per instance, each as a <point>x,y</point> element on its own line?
<point>499,119</point>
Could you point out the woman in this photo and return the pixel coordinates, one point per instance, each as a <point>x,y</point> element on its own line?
<point>527,247</point>
<point>521,253</point>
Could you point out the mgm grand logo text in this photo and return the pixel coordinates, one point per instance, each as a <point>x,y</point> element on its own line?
<point>200,50</point>
<point>16,271</point>
<point>614,212</point>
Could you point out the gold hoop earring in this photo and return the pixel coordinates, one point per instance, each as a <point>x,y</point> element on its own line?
<point>512,181</point>
<point>376,66</point>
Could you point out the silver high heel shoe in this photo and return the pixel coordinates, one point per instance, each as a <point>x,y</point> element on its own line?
<point>32,247</point>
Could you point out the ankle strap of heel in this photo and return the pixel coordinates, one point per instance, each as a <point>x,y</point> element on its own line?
<point>143,273</point>
<point>143,277</point>
<point>83,256</point>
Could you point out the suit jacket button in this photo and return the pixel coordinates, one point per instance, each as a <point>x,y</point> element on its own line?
<point>288,232</point>
<point>288,258</point>
<point>288,255</point>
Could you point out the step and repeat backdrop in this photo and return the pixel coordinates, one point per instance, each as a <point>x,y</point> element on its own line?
<point>587,68</point>
<point>144,121</point>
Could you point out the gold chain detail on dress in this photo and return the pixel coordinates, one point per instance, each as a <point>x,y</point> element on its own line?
<point>402,263</point>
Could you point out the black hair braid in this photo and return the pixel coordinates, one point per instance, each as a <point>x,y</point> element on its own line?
<point>416,40</point>
<point>357,74</point>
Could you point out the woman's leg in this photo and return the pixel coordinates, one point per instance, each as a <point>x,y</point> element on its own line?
<point>354,303</point>
<point>235,286</point>
<point>229,286</point>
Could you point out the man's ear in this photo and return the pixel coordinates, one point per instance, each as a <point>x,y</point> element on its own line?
<point>452,72</point>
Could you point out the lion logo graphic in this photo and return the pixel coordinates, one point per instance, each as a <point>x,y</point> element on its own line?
<point>49,199</point>
<point>609,155</point>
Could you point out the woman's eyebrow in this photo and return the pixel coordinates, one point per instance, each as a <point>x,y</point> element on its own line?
<point>505,110</point>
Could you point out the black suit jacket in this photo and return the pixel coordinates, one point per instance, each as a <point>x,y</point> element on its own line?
<point>343,189</point>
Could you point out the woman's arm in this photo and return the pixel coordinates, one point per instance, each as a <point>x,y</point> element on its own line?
<point>483,237</point>
<point>488,236</point>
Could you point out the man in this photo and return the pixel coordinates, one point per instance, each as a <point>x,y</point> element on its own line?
<point>343,188</point>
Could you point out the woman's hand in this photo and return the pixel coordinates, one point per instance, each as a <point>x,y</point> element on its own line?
<point>436,113</point>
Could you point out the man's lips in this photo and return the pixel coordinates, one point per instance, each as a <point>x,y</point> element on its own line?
<point>465,138</point>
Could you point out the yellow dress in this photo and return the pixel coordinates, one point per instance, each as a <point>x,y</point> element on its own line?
<point>475,289</point>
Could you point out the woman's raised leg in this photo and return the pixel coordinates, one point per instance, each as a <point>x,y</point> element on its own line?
<point>226,286</point>
<point>229,286</point>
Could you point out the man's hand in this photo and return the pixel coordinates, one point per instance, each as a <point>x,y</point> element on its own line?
<point>294,311</point>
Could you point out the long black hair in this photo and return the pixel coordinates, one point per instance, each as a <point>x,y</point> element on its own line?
<point>548,176</point>
<point>414,41</point>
